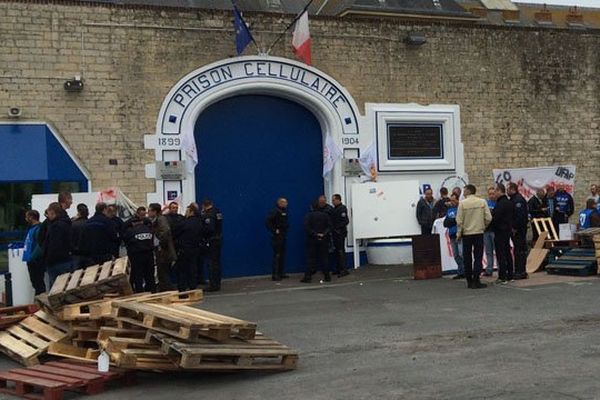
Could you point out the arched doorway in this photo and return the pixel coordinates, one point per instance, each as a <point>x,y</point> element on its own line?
<point>251,150</point>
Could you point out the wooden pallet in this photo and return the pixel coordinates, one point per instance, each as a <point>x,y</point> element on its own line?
<point>51,380</point>
<point>73,352</point>
<point>28,339</point>
<point>145,359</point>
<point>104,308</point>
<point>107,333</point>
<point>537,255</point>
<point>545,225</point>
<point>183,322</point>
<point>90,283</point>
<point>260,353</point>
<point>11,315</point>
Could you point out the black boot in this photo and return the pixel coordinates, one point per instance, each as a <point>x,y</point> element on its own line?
<point>327,277</point>
<point>469,284</point>
<point>478,285</point>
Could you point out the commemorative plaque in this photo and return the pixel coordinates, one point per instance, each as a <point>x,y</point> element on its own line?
<point>414,141</point>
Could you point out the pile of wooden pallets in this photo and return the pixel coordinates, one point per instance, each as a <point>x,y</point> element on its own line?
<point>92,310</point>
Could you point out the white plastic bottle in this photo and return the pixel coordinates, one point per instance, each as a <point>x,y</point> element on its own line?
<point>103,362</point>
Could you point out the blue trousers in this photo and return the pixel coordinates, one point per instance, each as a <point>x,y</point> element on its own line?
<point>488,242</point>
<point>456,246</point>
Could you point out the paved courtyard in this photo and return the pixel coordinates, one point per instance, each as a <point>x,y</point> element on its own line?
<point>382,335</point>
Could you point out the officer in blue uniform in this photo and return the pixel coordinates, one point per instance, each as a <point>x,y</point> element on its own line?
<point>339,221</point>
<point>317,225</point>
<point>212,230</point>
<point>520,223</point>
<point>277,224</point>
<point>589,218</point>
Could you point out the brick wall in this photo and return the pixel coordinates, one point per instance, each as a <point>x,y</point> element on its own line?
<point>527,97</point>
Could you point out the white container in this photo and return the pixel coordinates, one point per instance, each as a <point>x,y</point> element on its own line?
<point>103,362</point>
<point>566,231</point>
<point>22,290</point>
<point>389,252</point>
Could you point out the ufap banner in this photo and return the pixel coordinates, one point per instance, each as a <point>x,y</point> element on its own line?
<point>532,179</point>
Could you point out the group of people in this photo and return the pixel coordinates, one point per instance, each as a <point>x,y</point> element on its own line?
<point>476,225</point>
<point>326,227</point>
<point>171,247</point>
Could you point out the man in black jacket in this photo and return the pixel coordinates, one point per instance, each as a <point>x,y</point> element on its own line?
<point>502,220</point>
<point>187,235</point>
<point>520,223</point>
<point>139,241</point>
<point>57,244</point>
<point>118,225</point>
<point>277,224</point>
<point>339,222</point>
<point>212,233</point>
<point>77,226</point>
<point>317,224</point>
<point>99,237</point>
<point>425,212</point>
<point>537,209</point>
<point>442,205</point>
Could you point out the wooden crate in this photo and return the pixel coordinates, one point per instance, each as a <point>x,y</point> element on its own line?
<point>260,353</point>
<point>90,283</point>
<point>29,338</point>
<point>183,321</point>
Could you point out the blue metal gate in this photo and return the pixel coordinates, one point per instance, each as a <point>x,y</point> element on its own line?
<point>253,149</point>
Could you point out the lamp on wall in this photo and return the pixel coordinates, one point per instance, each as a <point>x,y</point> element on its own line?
<point>14,112</point>
<point>415,39</point>
<point>74,85</point>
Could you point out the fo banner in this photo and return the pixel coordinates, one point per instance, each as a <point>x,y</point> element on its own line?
<point>532,179</point>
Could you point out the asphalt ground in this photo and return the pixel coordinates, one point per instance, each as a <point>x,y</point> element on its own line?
<point>379,334</point>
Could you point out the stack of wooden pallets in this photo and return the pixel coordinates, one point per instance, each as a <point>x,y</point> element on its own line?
<point>91,310</point>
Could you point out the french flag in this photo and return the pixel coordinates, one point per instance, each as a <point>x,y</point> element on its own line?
<point>301,39</point>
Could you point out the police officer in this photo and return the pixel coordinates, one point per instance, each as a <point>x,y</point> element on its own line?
<point>339,222</point>
<point>187,235</point>
<point>589,218</point>
<point>519,225</point>
<point>502,222</point>
<point>212,228</point>
<point>277,224</point>
<point>317,224</point>
<point>139,241</point>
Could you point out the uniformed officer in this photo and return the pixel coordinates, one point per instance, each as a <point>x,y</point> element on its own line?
<point>339,222</point>
<point>187,235</point>
<point>212,229</point>
<point>317,224</point>
<point>277,224</point>
<point>139,241</point>
<point>520,223</point>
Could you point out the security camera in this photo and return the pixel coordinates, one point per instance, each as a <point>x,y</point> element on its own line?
<point>74,85</point>
<point>14,112</point>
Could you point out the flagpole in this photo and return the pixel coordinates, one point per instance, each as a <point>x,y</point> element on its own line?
<point>289,26</point>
